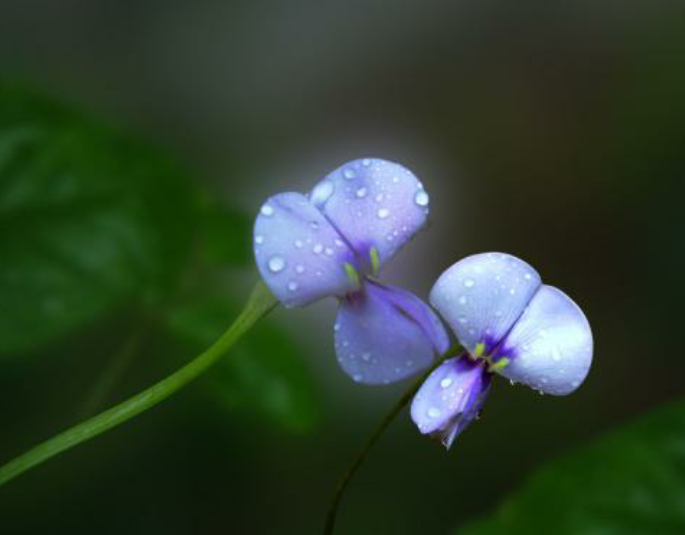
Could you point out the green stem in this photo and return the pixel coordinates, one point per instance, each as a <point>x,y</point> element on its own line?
<point>380,429</point>
<point>260,303</point>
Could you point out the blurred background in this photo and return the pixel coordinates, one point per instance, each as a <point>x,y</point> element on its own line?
<point>554,131</point>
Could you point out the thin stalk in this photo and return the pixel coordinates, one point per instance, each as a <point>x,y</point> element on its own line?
<point>380,429</point>
<point>259,304</point>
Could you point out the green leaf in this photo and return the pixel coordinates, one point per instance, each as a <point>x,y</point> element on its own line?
<point>89,220</point>
<point>630,481</point>
<point>264,375</point>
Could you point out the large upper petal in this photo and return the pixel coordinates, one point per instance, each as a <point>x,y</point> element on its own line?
<point>550,347</point>
<point>384,334</point>
<point>300,255</point>
<point>450,398</point>
<point>373,203</point>
<point>483,295</point>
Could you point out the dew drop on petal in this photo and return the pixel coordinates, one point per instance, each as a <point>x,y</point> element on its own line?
<point>329,251</point>
<point>469,283</point>
<point>292,286</point>
<point>276,264</point>
<point>322,192</point>
<point>318,248</point>
<point>357,377</point>
<point>259,239</point>
<point>421,198</point>
<point>299,269</point>
<point>349,173</point>
<point>267,210</point>
<point>446,382</point>
<point>299,244</point>
<point>366,162</point>
<point>383,213</point>
<point>433,412</point>
<point>366,356</point>
<point>361,193</point>
<point>314,225</point>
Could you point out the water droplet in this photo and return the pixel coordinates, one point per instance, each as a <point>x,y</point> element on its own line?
<point>276,264</point>
<point>379,197</point>
<point>462,300</point>
<point>463,320</point>
<point>366,162</point>
<point>395,179</point>
<point>421,198</point>
<point>329,251</point>
<point>299,268</point>
<point>556,354</point>
<point>322,192</point>
<point>433,412</point>
<point>259,239</point>
<point>336,327</point>
<point>383,213</point>
<point>318,248</point>
<point>528,276</point>
<point>409,363</point>
<point>314,225</point>
<point>267,210</point>
<point>299,244</point>
<point>357,377</point>
<point>469,283</point>
<point>349,173</point>
<point>512,291</point>
<point>512,382</point>
<point>339,243</point>
<point>292,286</point>
<point>366,356</point>
<point>446,382</point>
<point>361,193</point>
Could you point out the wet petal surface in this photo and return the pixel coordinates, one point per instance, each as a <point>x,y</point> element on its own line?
<point>550,347</point>
<point>450,399</point>
<point>374,204</point>
<point>483,295</point>
<point>299,254</point>
<point>383,335</point>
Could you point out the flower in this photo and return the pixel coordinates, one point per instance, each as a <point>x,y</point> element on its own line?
<point>509,324</point>
<point>334,242</point>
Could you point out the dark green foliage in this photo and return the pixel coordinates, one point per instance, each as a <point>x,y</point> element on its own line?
<point>631,481</point>
<point>264,375</point>
<point>88,221</point>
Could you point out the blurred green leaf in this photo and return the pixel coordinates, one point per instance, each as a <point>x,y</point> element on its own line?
<point>88,220</point>
<point>226,234</point>
<point>628,482</point>
<point>264,375</point>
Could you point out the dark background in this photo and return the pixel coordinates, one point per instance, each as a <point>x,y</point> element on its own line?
<point>554,131</point>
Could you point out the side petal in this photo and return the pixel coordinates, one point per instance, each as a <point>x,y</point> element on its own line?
<point>483,295</point>
<point>550,347</point>
<point>384,335</point>
<point>374,204</point>
<point>451,398</point>
<point>299,254</point>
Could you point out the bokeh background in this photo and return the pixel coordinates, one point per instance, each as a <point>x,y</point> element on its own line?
<point>554,131</point>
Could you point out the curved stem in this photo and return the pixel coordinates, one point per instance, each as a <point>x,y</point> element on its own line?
<point>260,303</point>
<point>380,429</point>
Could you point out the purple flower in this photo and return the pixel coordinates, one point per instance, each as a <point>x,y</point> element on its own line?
<point>334,242</point>
<point>510,324</point>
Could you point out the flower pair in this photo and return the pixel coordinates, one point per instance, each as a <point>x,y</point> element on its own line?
<point>334,242</point>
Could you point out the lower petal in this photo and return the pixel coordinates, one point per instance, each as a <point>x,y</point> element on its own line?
<point>451,398</point>
<point>550,347</point>
<point>384,334</point>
